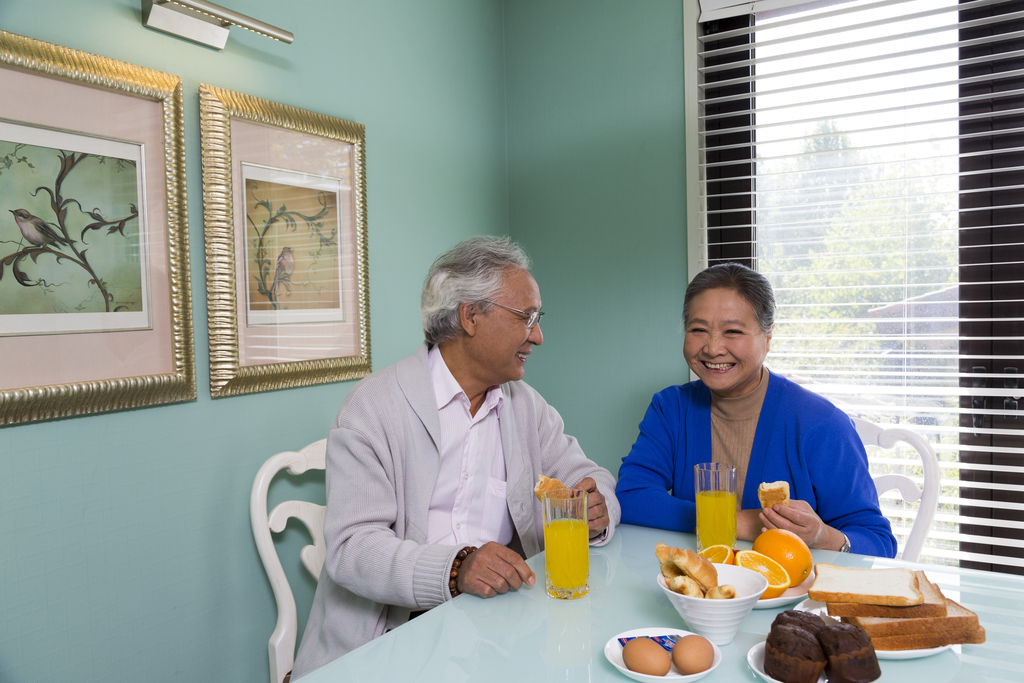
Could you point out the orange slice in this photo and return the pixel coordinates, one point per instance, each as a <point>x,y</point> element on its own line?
<point>719,554</point>
<point>778,579</point>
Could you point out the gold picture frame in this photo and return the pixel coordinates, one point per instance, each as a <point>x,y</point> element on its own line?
<point>61,107</point>
<point>284,204</point>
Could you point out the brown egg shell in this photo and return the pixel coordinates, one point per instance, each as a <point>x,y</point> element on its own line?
<point>644,656</point>
<point>693,655</point>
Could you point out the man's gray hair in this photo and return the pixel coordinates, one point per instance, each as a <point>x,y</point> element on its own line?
<point>469,272</point>
<point>749,284</point>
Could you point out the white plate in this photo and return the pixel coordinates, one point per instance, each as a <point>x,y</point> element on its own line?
<point>755,660</point>
<point>613,652</point>
<point>819,608</point>
<point>791,595</point>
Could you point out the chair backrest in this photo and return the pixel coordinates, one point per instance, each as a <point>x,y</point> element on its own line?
<point>887,437</point>
<point>282,640</point>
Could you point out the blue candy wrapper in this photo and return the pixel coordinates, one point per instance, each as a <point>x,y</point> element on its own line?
<point>667,642</point>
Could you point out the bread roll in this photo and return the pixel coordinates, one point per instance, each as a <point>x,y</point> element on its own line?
<point>668,567</point>
<point>546,484</point>
<point>684,585</point>
<point>772,493</point>
<point>725,592</point>
<point>696,567</point>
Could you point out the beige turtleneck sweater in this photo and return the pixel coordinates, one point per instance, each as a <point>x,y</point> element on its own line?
<point>733,423</point>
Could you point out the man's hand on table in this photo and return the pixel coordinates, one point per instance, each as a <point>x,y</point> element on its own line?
<point>597,511</point>
<point>803,521</point>
<point>494,569</point>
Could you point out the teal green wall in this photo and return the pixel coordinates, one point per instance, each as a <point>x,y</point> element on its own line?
<point>596,195</point>
<point>125,547</point>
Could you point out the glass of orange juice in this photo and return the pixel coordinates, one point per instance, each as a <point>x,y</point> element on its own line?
<point>566,543</point>
<point>715,485</point>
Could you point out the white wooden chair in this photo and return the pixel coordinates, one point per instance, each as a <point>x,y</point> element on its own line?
<point>886,437</point>
<point>282,640</point>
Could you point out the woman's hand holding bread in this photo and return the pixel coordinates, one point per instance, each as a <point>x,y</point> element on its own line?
<point>803,521</point>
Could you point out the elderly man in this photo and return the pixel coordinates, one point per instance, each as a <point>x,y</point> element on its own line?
<point>438,454</point>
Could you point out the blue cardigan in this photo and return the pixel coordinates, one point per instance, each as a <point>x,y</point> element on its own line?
<point>801,438</point>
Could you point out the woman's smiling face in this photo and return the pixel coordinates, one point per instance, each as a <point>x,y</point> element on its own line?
<point>724,344</point>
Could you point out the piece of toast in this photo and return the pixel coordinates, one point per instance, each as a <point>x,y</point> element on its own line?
<point>773,493</point>
<point>958,618</point>
<point>917,641</point>
<point>934,605</point>
<point>896,586</point>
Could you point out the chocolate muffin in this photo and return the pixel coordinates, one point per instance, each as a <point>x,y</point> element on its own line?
<point>805,620</point>
<point>851,657</point>
<point>792,654</point>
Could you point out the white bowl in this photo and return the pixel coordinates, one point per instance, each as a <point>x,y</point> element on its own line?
<point>719,620</point>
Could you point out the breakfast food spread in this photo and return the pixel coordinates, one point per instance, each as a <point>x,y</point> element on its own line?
<point>546,484</point>
<point>773,493</point>
<point>687,573</point>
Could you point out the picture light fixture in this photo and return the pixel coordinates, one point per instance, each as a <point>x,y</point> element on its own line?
<point>203,22</point>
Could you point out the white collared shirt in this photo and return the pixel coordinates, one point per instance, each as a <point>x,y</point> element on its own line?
<point>468,505</point>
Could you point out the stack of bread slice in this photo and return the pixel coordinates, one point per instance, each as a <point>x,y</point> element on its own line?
<point>899,608</point>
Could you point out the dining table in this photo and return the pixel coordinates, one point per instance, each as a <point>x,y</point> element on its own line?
<point>524,635</point>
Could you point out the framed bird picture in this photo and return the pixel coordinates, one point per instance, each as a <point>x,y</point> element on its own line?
<point>95,310</point>
<point>284,203</point>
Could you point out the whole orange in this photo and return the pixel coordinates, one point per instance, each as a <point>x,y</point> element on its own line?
<point>789,550</point>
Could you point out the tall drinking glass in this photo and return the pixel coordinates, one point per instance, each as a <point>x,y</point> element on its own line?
<point>715,485</point>
<point>566,544</point>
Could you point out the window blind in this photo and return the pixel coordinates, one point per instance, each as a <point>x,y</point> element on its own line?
<point>868,158</point>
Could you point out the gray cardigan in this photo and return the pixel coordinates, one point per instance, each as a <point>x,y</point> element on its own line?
<point>382,463</point>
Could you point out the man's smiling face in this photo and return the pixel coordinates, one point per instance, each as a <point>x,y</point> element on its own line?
<point>502,341</point>
<point>724,344</point>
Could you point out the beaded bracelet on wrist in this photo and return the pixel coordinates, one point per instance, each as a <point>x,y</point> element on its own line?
<point>453,577</point>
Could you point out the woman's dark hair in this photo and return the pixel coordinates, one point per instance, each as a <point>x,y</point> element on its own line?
<point>749,284</point>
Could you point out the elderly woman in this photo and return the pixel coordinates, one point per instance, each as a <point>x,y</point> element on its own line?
<point>768,428</point>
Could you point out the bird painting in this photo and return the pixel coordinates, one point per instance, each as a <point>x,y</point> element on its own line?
<point>285,266</point>
<point>37,231</point>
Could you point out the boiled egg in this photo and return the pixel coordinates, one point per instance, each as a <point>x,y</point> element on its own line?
<point>692,654</point>
<point>645,656</point>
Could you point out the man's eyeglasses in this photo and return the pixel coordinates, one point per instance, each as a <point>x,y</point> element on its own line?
<point>531,318</point>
